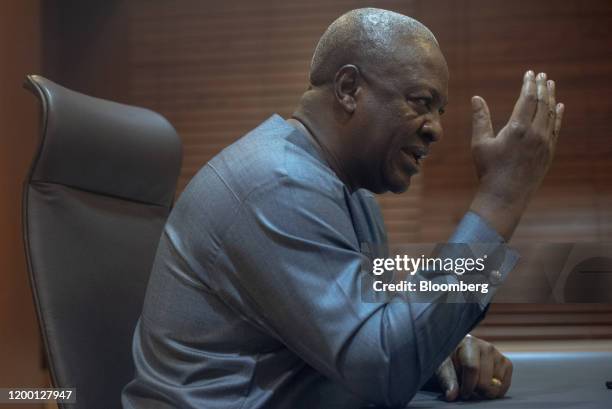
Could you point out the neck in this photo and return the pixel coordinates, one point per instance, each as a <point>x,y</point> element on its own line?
<point>321,128</point>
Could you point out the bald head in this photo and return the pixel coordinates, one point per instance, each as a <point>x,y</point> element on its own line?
<point>378,86</point>
<point>367,37</point>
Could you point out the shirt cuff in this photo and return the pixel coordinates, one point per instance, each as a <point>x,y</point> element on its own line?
<point>485,242</point>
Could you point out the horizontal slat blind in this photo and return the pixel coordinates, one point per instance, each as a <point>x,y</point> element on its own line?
<point>217,69</point>
<point>492,43</point>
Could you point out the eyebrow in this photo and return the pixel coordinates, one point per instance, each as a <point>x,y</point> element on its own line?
<point>436,95</point>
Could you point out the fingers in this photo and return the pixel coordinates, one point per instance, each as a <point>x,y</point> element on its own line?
<point>535,111</point>
<point>448,380</point>
<point>487,366</point>
<point>503,372</point>
<point>468,357</point>
<point>481,120</point>
<point>484,371</point>
<point>497,384</point>
<point>552,113</point>
<point>559,110</point>
<point>540,122</point>
<point>525,106</point>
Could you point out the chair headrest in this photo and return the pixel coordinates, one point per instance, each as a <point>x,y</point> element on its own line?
<point>104,147</point>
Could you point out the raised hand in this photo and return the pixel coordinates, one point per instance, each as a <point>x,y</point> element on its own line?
<point>511,165</point>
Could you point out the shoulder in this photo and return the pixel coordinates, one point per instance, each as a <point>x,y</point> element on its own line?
<point>272,163</point>
<point>271,158</point>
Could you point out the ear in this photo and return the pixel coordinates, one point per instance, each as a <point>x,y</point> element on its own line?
<point>346,87</point>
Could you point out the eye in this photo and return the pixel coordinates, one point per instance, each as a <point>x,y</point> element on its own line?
<point>424,102</point>
<point>441,111</point>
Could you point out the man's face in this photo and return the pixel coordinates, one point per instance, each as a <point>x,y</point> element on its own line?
<point>399,118</point>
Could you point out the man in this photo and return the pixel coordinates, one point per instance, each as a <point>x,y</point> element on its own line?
<point>254,299</point>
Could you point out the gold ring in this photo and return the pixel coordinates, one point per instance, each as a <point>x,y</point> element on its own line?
<point>496,382</point>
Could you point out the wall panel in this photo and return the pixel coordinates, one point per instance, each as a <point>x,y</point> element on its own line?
<point>216,69</point>
<point>20,342</point>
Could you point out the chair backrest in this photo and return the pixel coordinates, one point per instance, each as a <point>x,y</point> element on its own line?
<point>95,201</point>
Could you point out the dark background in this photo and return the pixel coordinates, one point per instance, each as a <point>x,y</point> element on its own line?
<point>216,69</point>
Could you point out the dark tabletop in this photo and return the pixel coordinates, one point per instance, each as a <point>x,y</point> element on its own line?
<point>546,380</point>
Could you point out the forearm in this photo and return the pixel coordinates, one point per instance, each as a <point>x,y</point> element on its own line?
<point>501,214</point>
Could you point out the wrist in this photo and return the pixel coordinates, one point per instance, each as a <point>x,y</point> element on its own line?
<point>501,212</point>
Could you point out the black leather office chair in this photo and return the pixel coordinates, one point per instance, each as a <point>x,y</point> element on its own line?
<point>94,205</point>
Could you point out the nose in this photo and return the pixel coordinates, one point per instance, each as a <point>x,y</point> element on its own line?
<point>431,130</point>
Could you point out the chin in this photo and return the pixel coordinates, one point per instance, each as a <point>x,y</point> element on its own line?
<point>390,182</point>
<point>400,189</point>
<point>398,186</point>
<point>396,179</point>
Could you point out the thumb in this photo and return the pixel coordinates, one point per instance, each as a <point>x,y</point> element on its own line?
<point>481,120</point>
<point>447,377</point>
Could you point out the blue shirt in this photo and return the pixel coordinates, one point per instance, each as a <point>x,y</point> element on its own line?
<point>254,298</point>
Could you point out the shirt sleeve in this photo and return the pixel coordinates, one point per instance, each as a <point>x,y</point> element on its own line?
<point>295,267</point>
<point>484,240</point>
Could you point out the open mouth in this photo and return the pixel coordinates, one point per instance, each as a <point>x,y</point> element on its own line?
<point>416,154</point>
